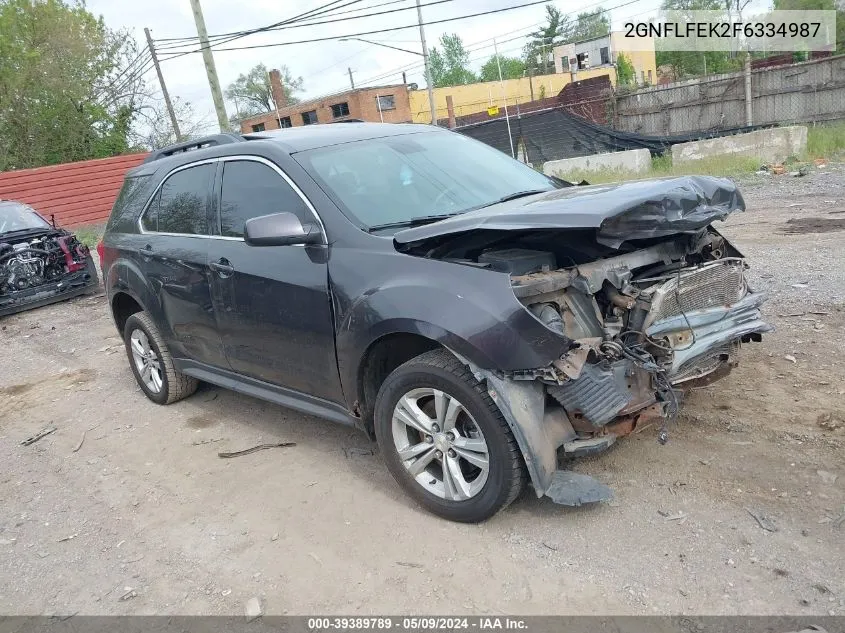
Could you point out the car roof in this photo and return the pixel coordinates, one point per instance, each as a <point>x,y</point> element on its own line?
<point>290,140</point>
<point>307,137</point>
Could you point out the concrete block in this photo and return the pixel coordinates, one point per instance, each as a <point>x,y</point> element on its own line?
<point>637,161</point>
<point>772,145</point>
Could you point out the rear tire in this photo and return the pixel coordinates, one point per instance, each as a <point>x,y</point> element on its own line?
<point>445,441</point>
<point>152,364</point>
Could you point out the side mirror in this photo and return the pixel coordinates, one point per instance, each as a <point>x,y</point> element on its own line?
<point>280,229</point>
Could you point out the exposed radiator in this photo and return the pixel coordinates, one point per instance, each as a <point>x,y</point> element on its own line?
<point>717,284</point>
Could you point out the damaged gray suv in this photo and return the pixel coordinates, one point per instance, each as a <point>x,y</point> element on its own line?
<point>485,323</point>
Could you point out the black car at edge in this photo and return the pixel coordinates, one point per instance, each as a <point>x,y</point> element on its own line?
<point>482,321</point>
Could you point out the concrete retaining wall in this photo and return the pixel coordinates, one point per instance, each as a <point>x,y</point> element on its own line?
<point>637,161</point>
<point>767,145</point>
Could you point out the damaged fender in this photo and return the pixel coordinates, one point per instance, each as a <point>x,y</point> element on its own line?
<point>539,434</point>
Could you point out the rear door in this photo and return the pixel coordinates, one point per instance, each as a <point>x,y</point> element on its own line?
<point>272,302</point>
<point>173,253</point>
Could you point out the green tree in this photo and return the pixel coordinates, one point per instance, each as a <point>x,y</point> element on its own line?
<point>70,88</point>
<point>538,50</point>
<point>696,63</point>
<point>155,130</point>
<point>829,5</point>
<point>450,67</point>
<point>589,25</point>
<point>512,68</point>
<point>251,92</point>
<point>625,74</point>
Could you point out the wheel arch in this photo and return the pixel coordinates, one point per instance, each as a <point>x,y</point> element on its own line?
<point>380,358</point>
<point>123,305</point>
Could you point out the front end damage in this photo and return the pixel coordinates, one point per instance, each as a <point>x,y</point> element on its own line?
<point>667,310</point>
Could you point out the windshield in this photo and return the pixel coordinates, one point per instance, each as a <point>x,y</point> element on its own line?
<point>15,216</point>
<point>395,180</point>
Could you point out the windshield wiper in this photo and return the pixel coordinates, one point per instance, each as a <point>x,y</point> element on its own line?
<point>26,230</point>
<point>418,221</point>
<point>514,196</point>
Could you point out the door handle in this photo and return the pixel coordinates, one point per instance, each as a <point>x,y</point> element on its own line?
<point>222,267</point>
<point>146,251</point>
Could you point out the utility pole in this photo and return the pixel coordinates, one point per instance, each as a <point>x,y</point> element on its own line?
<point>502,86</point>
<point>163,87</point>
<point>210,70</point>
<point>351,81</point>
<point>427,67</point>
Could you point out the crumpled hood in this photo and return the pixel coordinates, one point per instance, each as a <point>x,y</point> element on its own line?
<point>619,211</point>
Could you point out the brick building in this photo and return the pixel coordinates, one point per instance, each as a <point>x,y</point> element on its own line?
<point>389,104</point>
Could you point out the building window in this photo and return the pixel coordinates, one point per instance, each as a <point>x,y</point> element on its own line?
<point>604,52</point>
<point>285,122</point>
<point>649,77</point>
<point>258,127</point>
<point>309,118</point>
<point>642,74</point>
<point>386,102</point>
<point>340,110</point>
<point>583,60</point>
<point>564,64</point>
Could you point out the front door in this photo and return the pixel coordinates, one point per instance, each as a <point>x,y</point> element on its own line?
<point>271,302</point>
<point>173,253</point>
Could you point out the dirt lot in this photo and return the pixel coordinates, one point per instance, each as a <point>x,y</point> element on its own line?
<point>145,518</point>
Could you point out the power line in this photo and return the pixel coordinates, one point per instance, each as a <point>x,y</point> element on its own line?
<point>470,47</point>
<point>331,12</point>
<point>133,68</point>
<point>350,35</point>
<point>299,24</point>
<point>224,38</point>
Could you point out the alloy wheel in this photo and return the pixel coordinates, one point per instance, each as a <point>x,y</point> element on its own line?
<point>146,360</point>
<point>440,444</point>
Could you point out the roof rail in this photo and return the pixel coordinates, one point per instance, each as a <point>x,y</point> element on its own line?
<point>198,143</point>
<point>349,121</point>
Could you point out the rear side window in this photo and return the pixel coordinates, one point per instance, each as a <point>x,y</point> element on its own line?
<point>252,189</point>
<point>181,204</point>
<point>129,202</point>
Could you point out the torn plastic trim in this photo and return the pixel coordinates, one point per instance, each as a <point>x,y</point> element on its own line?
<point>522,404</point>
<point>712,327</point>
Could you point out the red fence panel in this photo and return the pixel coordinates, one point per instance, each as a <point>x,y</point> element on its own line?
<point>76,193</point>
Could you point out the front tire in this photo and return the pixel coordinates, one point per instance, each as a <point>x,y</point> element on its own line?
<point>445,441</point>
<point>152,364</point>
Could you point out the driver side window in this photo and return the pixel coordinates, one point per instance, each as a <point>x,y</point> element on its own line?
<point>252,189</point>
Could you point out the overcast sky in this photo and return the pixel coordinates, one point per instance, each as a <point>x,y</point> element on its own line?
<point>323,64</point>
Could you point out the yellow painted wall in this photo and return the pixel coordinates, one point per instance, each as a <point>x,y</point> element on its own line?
<point>643,61</point>
<point>477,97</point>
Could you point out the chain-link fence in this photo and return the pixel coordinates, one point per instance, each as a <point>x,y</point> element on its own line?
<point>592,121</point>
<point>807,92</point>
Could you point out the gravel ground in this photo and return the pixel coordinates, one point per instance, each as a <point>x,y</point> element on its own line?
<point>126,508</point>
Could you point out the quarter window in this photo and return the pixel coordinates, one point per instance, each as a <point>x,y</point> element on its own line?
<point>181,205</point>
<point>149,221</point>
<point>252,189</point>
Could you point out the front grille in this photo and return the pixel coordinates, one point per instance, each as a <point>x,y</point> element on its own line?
<point>718,284</point>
